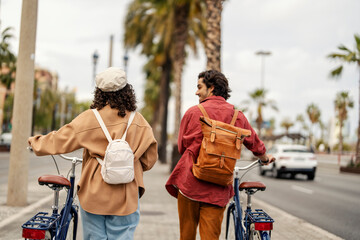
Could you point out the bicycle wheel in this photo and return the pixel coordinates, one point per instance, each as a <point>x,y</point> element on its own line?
<point>231,233</point>
<point>254,234</point>
<point>231,227</point>
<point>70,231</point>
<point>258,235</point>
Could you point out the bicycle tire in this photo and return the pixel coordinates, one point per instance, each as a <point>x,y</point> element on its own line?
<point>72,227</point>
<point>265,235</point>
<point>255,235</point>
<point>70,231</point>
<point>231,234</point>
<point>258,235</point>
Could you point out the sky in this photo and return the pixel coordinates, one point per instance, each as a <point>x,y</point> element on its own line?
<point>298,33</point>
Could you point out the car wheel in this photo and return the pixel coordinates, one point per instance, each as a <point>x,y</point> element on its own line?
<point>311,176</point>
<point>275,172</point>
<point>261,171</point>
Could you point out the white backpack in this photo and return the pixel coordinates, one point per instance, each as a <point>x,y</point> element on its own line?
<point>118,164</point>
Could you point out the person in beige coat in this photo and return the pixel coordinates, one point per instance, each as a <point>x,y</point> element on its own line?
<point>108,211</point>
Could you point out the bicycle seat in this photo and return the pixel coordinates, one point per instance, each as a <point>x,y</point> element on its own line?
<point>54,181</point>
<point>252,185</point>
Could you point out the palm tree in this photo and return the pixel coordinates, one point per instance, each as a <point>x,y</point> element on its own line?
<point>149,24</point>
<point>213,34</point>
<point>300,119</point>
<point>314,114</point>
<point>342,102</point>
<point>162,29</point>
<point>348,56</point>
<point>7,67</point>
<point>259,97</point>
<point>190,25</point>
<point>287,124</point>
<point>7,59</point>
<point>185,11</point>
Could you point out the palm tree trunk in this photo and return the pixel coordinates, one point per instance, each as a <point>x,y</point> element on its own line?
<point>258,124</point>
<point>163,107</point>
<point>341,137</point>
<point>358,135</point>
<point>213,35</point>
<point>180,37</point>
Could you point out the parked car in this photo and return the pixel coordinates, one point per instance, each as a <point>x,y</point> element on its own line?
<point>5,138</point>
<point>292,159</point>
<point>5,141</point>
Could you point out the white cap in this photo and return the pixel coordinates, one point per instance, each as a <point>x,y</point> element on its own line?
<point>111,80</point>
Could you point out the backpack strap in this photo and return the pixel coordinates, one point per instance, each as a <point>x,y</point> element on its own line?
<point>102,125</point>
<point>236,112</point>
<point>131,118</point>
<point>203,111</point>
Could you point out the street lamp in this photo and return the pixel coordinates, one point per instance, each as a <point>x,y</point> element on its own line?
<point>263,54</point>
<point>126,59</point>
<point>95,57</point>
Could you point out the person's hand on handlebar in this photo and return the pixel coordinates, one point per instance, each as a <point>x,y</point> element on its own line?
<point>266,159</point>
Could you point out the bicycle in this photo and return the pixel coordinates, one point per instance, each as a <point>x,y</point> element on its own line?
<point>255,224</point>
<point>57,225</point>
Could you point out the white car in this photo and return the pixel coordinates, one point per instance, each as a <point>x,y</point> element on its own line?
<point>293,159</point>
<point>5,138</point>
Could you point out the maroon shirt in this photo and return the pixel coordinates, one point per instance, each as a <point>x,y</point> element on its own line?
<point>189,142</point>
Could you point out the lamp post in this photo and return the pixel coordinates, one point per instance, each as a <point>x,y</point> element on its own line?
<point>126,59</point>
<point>263,54</point>
<point>95,57</point>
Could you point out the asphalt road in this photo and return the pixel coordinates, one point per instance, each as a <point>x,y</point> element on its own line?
<point>331,201</point>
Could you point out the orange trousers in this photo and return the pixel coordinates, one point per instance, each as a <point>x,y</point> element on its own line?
<point>192,213</point>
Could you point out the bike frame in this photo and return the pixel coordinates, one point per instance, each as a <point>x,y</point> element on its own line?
<point>69,210</point>
<point>56,224</point>
<point>258,217</point>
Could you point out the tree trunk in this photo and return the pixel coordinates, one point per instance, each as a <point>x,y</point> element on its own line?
<point>163,107</point>
<point>180,37</point>
<point>23,99</point>
<point>340,136</point>
<point>358,130</point>
<point>213,35</point>
<point>258,125</point>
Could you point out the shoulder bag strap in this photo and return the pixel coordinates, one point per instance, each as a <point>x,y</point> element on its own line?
<point>236,112</point>
<point>102,125</point>
<point>203,111</point>
<point>131,118</point>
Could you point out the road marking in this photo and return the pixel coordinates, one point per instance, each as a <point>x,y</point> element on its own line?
<point>302,189</point>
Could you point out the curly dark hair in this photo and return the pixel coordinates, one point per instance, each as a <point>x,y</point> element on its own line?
<point>123,99</point>
<point>218,80</point>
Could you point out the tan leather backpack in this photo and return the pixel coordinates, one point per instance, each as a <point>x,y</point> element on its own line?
<point>220,148</point>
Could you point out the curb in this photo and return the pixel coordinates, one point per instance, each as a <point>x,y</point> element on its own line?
<point>26,210</point>
<point>291,219</point>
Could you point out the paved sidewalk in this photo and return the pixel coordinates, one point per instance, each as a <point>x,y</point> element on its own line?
<point>159,219</point>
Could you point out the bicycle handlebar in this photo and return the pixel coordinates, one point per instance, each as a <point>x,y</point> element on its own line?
<point>73,159</point>
<point>251,165</point>
<point>248,166</point>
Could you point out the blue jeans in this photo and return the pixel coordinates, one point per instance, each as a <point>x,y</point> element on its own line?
<point>109,227</point>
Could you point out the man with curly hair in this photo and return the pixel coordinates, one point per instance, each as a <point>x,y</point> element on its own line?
<point>199,202</point>
<point>109,211</point>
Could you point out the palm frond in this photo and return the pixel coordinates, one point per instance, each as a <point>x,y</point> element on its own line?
<point>344,48</point>
<point>335,73</point>
<point>357,40</point>
<point>336,55</point>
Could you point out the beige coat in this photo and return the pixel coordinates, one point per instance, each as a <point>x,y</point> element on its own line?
<point>84,131</point>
